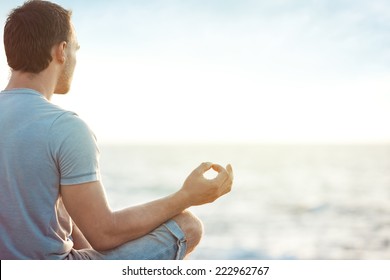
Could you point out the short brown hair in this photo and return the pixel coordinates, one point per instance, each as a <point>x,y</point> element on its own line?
<point>31,31</point>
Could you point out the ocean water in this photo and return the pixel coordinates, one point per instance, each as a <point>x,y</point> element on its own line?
<point>287,202</point>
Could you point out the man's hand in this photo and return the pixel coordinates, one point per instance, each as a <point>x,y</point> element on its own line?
<point>199,190</point>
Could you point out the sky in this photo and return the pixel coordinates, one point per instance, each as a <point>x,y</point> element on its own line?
<point>230,71</point>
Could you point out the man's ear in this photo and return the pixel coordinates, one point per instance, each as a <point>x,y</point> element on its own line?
<point>59,52</point>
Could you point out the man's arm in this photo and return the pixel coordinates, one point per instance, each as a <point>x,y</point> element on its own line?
<point>79,240</point>
<point>105,229</point>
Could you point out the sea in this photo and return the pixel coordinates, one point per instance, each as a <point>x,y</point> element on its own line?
<point>289,201</point>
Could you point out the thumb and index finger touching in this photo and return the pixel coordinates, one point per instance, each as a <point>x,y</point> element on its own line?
<point>205,166</point>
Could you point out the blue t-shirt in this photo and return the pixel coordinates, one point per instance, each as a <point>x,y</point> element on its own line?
<point>41,147</point>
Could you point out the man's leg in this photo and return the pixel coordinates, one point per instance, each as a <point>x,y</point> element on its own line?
<point>175,239</point>
<point>192,228</point>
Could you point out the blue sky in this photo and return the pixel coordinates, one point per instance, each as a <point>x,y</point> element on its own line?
<point>246,71</point>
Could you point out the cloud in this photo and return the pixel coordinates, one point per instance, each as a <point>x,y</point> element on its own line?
<point>298,38</point>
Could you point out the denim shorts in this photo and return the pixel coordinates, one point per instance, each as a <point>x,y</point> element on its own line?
<point>166,242</point>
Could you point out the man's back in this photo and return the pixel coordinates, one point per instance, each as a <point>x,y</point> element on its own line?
<point>36,139</point>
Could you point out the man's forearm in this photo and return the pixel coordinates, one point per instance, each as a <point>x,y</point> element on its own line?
<point>136,221</point>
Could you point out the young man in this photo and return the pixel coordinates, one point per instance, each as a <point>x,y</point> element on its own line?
<point>52,201</point>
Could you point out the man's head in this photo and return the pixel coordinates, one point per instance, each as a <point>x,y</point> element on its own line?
<point>35,34</point>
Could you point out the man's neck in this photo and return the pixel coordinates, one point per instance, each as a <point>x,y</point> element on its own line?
<point>38,82</point>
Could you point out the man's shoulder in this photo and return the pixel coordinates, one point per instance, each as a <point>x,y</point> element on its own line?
<point>69,124</point>
<point>69,119</point>
<point>71,137</point>
<point>31,103</point>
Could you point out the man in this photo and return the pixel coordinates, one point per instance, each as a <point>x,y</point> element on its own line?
<point>52,201</point>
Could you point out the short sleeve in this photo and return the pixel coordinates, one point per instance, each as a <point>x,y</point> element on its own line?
<point>74,149</point>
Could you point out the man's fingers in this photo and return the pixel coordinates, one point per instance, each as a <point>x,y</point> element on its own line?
<point>229,180</point>
<point>218,168</point>
<point>204,167</point>
<point>225,176</point>
<point>230,171</point>
<point>222,173</point>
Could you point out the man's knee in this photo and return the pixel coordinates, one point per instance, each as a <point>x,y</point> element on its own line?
<point>192,228</point>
